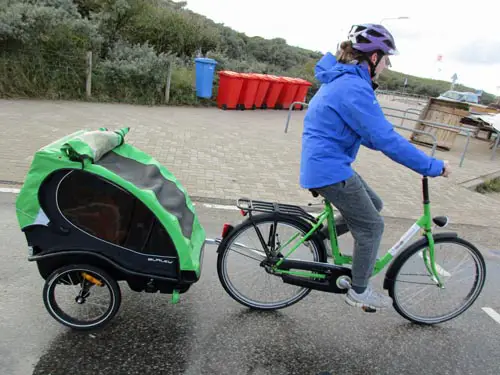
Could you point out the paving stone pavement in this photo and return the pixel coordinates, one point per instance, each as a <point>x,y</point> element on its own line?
<point>229,154</point>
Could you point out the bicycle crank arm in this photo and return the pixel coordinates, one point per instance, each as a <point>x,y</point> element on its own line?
<point>337,278</point>
<point>335,283</point>
<point>320,267</point>
<point>324,285</point>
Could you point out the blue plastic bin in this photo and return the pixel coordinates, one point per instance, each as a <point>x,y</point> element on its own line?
<point>205,69</point>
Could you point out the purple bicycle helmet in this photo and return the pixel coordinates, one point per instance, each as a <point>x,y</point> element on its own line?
<point>372,37</point>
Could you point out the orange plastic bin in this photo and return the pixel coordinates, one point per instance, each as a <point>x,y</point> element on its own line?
<point>288,93</point>
<point>230,84</point>
<point>301,94</point>
<point>265,83</point>
<point>248,91</point>
<point>274,91</point>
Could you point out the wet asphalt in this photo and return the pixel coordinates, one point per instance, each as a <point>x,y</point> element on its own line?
<point>209,333</point>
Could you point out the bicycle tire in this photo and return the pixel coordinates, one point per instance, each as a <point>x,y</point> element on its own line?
<point>59,315</point>
<point>223,248</point>
<point>405,256</point>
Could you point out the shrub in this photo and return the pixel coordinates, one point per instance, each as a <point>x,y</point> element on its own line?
<point>43,49</point>
<point>131,73</point>
<point>489,186</point>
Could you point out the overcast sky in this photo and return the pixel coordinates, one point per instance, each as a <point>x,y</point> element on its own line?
<point>467,36</point>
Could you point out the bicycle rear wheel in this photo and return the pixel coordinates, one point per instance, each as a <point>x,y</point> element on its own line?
<point>416,295</point>
<point>241,253</point>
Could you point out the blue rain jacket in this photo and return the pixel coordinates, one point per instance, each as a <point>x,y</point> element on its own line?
<point>341,116</point>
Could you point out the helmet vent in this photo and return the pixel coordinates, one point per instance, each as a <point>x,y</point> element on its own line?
<point>375,33</point>
<point>362,39</point>
<point>388,43</point>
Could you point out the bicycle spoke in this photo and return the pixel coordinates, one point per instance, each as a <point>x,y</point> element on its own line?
<point>249,256</point>
<point>415,282</point>
<point>412,297</point>
<point>75,288</point>
<point>417,274</point>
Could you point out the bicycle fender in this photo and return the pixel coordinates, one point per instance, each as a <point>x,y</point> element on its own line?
<point>391,272</point>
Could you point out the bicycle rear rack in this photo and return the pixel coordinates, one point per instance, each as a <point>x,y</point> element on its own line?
<point>249,206</point>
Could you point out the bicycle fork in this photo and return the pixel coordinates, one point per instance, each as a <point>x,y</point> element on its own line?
<point>427,225</point>
<point>430,261</point>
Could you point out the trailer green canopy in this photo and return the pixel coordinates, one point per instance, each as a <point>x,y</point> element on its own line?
<point>106,154</point>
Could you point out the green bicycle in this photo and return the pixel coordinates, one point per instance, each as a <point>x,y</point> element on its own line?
<point>288,280</point>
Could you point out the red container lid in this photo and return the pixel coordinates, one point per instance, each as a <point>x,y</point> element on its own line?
<point>263,77</point>
<point>230,73</point>
<point>248,75</point>
<point>303,82</point>
<point>275,78</point>
<point>290,80</point>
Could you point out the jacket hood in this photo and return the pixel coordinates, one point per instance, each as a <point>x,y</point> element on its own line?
<point>329,69</point>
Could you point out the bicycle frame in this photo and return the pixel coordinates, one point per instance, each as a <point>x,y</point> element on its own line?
<point>423,223</point>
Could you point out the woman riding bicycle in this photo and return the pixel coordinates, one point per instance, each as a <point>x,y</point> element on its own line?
<point>342,115</point>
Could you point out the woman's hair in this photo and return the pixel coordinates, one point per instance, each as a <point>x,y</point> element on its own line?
<point>347,54</point>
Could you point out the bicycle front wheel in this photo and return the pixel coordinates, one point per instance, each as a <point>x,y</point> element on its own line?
<point>239,262</point>
<point>417,295</point>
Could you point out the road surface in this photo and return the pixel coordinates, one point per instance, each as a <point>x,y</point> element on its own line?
<point>209,333</point>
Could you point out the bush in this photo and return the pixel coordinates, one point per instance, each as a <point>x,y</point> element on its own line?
<point>489,186</point>
<point>52,25</point>
<point>169,29</point>
<point>131,73</point>
<point>43,49</point>
<point>183,86</point>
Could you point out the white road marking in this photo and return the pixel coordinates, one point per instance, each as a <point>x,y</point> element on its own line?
<point>10,190</point>
<point>219,206</point>
<point>492,313</point>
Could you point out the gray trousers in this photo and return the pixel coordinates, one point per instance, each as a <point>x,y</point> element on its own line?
<point>360,207</point>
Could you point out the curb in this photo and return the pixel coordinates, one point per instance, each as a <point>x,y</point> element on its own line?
<point>10,183</point>
<point>472,184</point>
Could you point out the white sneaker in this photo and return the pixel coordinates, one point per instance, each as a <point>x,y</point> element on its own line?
<point>369,299</point>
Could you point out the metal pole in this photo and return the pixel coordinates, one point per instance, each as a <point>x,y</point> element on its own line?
<point>400,110</point>
<point>439,125</point>
<point>408,111</point>
<point>465,150</point>
<point>290,113</point>
<point>436,124</point>
<point>434,144</point>
<point>88,85</point>
<point>414,110</point>
<point>495,146</point>
<point>394,18</point>
<point>169,80</point>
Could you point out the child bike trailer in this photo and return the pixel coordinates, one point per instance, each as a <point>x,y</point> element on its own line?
<point>96,210</point>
